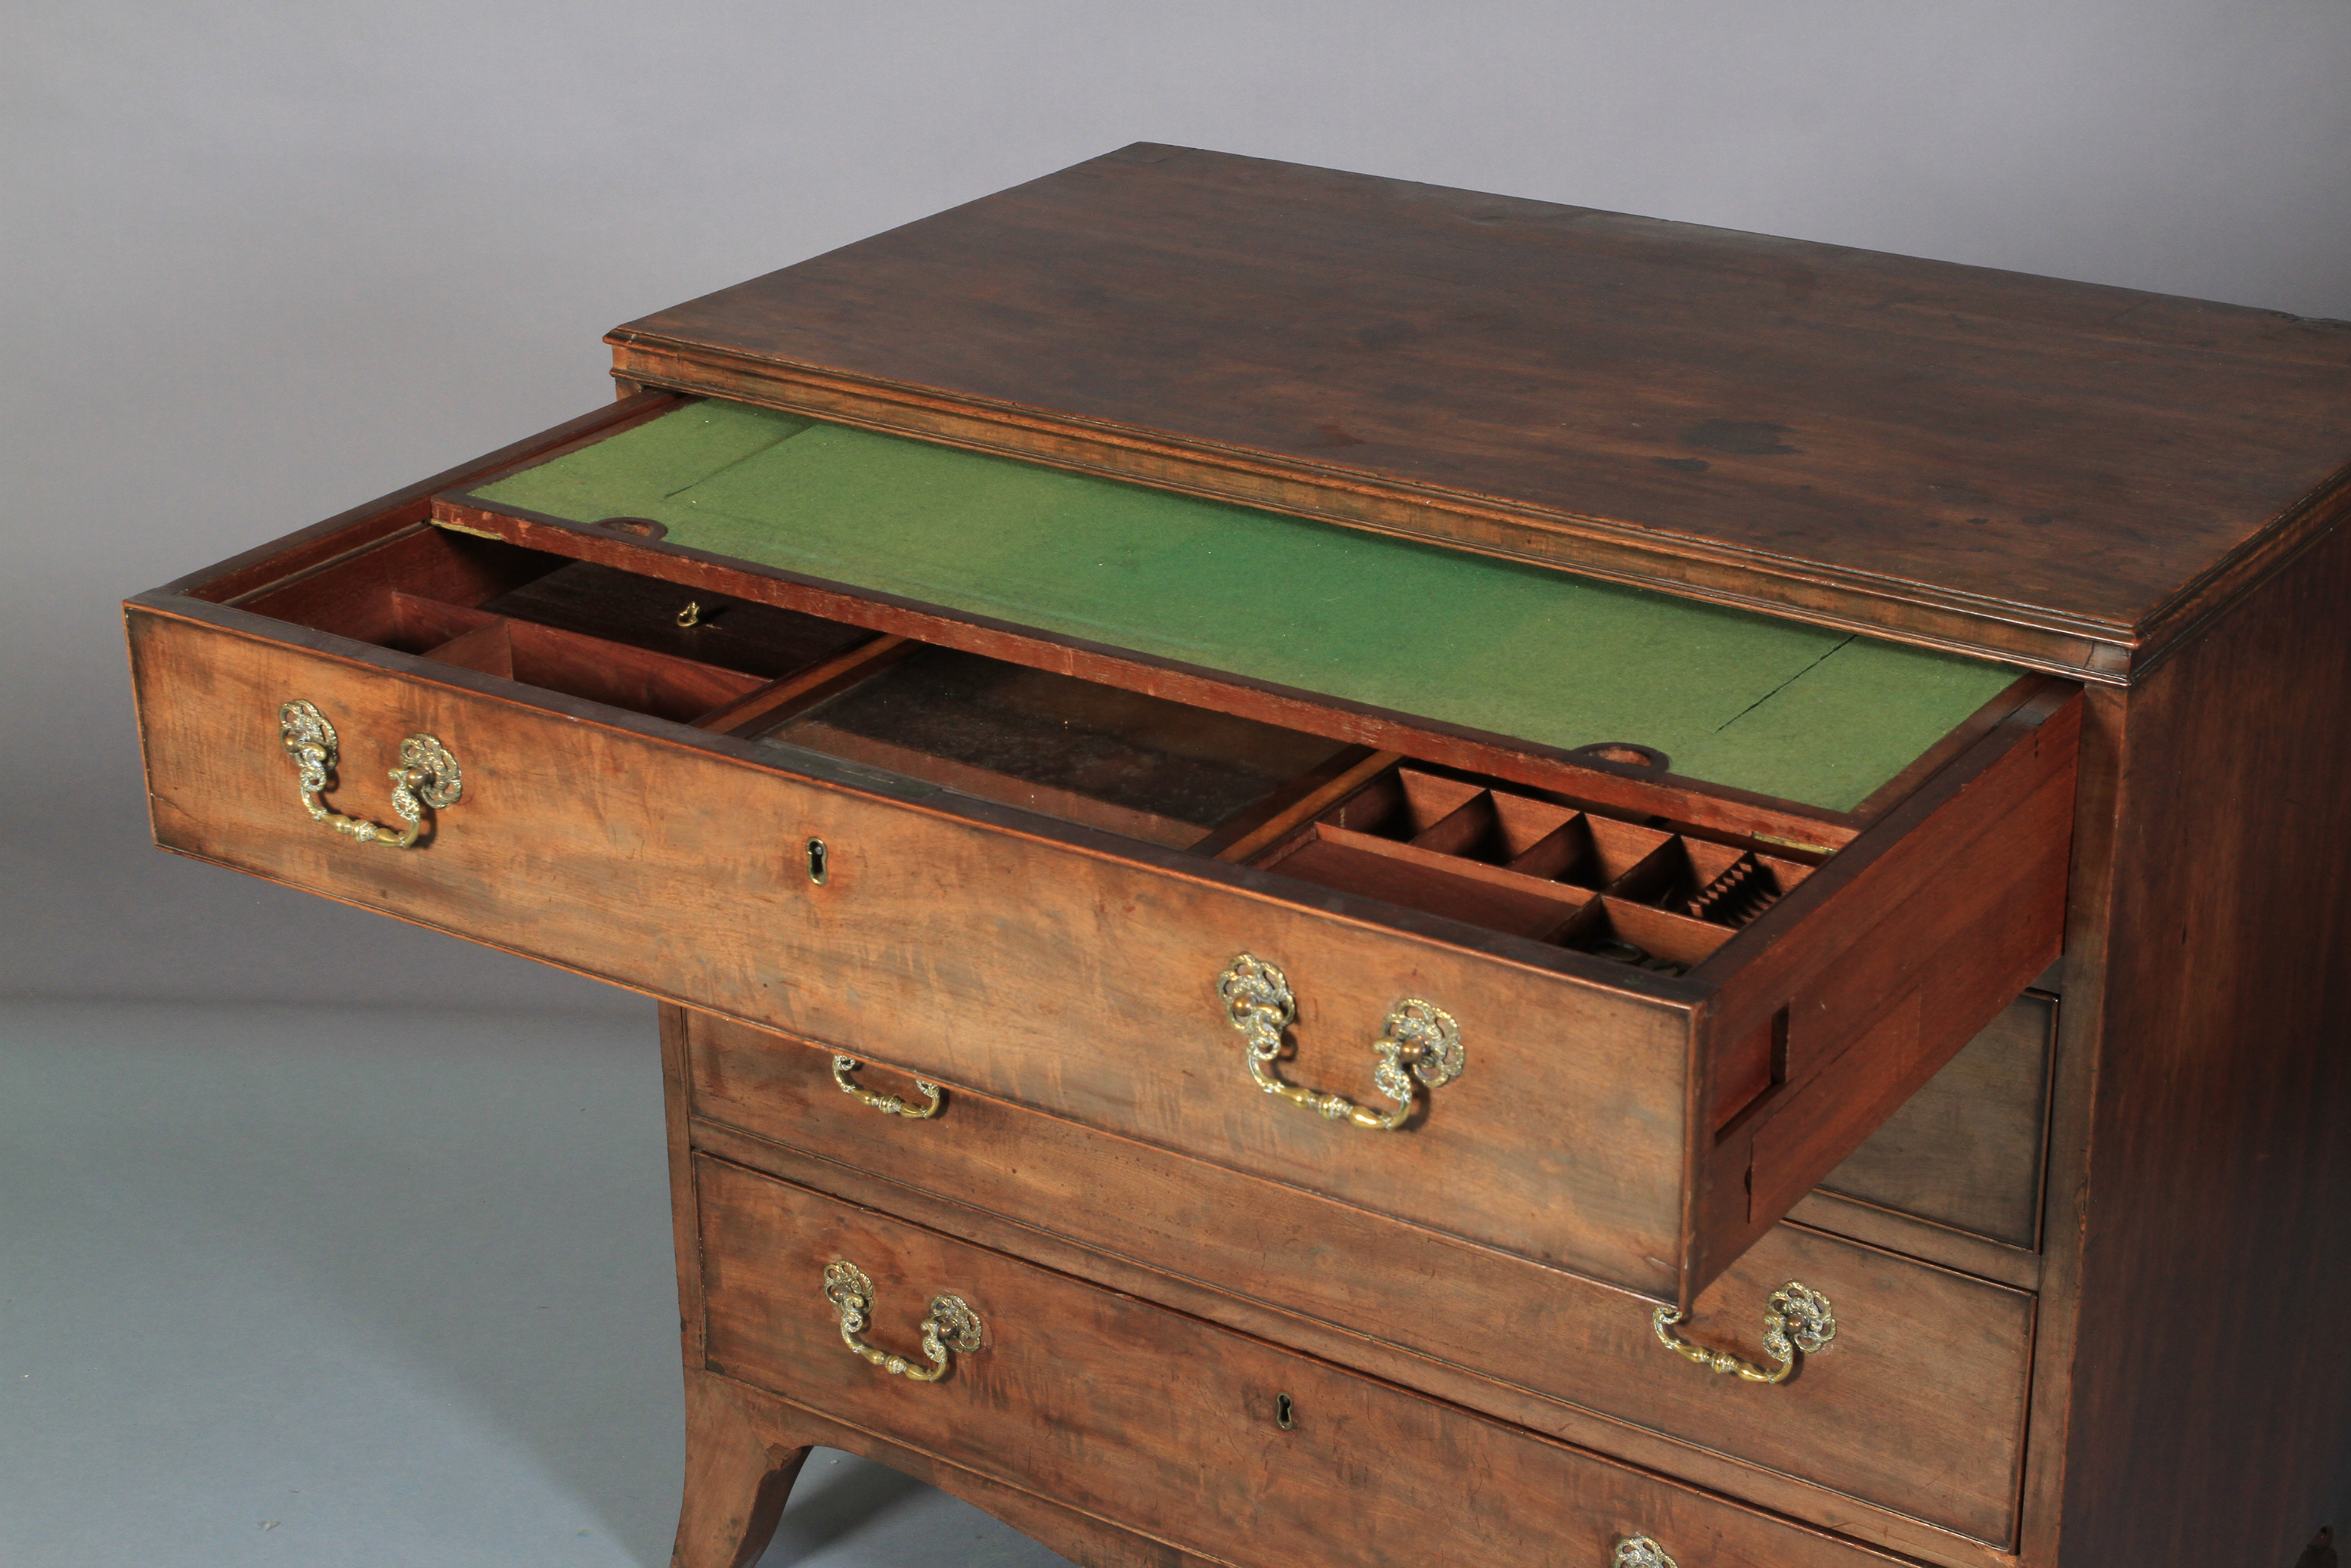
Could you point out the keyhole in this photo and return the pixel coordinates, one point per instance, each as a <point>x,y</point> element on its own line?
<point>816,853</point>
<point>1285,1414</point>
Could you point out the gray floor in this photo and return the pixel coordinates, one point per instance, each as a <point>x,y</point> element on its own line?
<point>326,1286</point>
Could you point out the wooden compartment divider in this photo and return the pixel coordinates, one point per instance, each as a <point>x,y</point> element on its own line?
<point>779,699</point>
<point>1534,867</point>
<point>581,666</point>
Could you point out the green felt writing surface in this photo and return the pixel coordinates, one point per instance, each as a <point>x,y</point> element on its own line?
<point>1787,710</point>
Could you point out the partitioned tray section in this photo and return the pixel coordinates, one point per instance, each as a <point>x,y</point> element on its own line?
<point>523,616</point>
<point>1137,765</point>
<point>1538,867</point>
<point>1161,772</point>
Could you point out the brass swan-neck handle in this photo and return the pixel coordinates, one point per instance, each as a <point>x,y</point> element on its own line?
<point>888,1104</point>
<point>1797,1322</point>
<point>1421,1045</point>
<point>951,1324</point>
<point>427,776</point>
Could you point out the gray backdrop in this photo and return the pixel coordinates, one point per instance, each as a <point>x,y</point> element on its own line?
<point>266,261</point>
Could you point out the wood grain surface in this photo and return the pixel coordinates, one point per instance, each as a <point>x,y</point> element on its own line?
<point>1169,1426</point>
<point>745,1446</point>
<point>1061,969</point>
<point>1705,1467</point>
<point>1887,961</point>
<point>2209,1419</point>
<point>970,943</point>
<point>2059,471</point>
<point>2144,493</point>
<point>1918,1407</point>
<point>1966,1150</point>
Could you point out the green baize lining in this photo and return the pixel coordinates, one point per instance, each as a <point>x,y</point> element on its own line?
<point>1524,652</point>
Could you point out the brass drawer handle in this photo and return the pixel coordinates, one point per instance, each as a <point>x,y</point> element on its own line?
<point>427,776</point>
<point>1421,1042</point>
<point>951,1325</point>
<point>1796,1321</point>
<point>888,1104</point>
<point>1640,1551</point>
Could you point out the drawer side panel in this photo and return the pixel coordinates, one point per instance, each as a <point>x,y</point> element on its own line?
<point>1877,971</point>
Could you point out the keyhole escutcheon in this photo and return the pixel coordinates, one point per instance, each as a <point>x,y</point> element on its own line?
<point>817,858</point>
<point>1285,1414</point>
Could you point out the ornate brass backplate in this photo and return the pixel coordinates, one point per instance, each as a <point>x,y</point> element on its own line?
<point>1420,1042</point>
<point>1797,1321</point>
<point>1640,1551</point>
<point>950,1325</point>
<point>427,776</point>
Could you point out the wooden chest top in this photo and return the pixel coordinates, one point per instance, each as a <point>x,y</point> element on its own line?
<point>2060,474</point>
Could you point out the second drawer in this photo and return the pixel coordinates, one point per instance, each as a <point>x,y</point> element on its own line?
<point>1917,1405</point>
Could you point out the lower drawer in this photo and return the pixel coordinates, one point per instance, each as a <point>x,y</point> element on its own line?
<point>1918,1404</point>
<point>1206,1439</point>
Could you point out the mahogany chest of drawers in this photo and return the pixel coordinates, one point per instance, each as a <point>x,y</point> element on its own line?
<point>1355,874</point>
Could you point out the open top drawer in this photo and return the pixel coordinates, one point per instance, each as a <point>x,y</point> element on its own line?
<point>1554,998</point>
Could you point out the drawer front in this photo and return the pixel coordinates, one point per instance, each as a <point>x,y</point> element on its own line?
<point>1169,1426</point>
<point>646,854</point>
<point>1968,1150</point>
<point>1918,1404</point>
